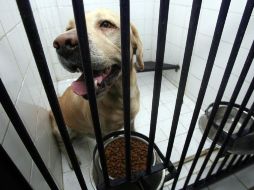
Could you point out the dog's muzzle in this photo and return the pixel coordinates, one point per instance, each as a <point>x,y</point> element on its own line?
<point>67,50</point>
<point>69,55</point>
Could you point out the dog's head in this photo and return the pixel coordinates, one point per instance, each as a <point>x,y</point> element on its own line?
<point>104,35</point>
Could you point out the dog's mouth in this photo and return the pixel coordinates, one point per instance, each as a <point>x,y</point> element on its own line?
<point>103,80</point>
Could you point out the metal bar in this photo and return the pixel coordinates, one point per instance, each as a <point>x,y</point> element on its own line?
<point>11,177</point>
<point>209,65</point>
<point>251,128</point>
<point>196,5</point>
<point>241,130</point>
<point>245,122</point>
<point>36,47</point>
<point>224,161</point>
<point>240,161</point>
<point>232,161</point>
<point>230,106</point>
<point>236,46</point>
<point>239,112</point>
<point>79,14</point>
<point>216,177</point>
<point>247,158</point>
<point>161,41</point>
<point>24,136</point>
<point>125,50</point>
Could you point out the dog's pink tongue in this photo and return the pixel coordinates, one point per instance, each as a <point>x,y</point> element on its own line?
<point>79,86</point>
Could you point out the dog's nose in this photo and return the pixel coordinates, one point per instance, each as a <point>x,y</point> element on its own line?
<point>68,38</point>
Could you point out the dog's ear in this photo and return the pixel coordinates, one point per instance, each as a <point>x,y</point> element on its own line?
<point>137,48</point>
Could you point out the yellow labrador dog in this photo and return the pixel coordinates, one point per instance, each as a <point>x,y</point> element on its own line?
<point>103,28</point>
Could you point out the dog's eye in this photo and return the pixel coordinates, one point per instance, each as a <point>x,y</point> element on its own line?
<point>107,24</point>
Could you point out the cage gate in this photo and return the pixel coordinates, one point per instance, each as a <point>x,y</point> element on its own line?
<point>234,152</point>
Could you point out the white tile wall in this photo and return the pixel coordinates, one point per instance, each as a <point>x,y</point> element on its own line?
<point>20,76</point>
<point>206,26</point>
<point>54,16</point>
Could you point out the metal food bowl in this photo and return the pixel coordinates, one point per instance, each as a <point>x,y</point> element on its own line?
<point>152,182</point>
<point>218,118</point>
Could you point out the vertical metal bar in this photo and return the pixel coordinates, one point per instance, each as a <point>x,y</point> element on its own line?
<point>209,65</point>
<point>233,159</point>
<point>196,5</point>
<point>226,75</point>
<point>125,50</point>
<point>79,14</point>
<point>229,108</point>
<point>161,41</point>
<point>24,136</point>
<point>236,120</point>
<point>240,111</point>
<point>240,160</point>
<point>246,159</point>
<point>241,130</point>
<point>245,122</point>
<point>36,47</point>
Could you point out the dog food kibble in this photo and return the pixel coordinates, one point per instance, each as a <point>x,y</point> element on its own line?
<point>115,157</point>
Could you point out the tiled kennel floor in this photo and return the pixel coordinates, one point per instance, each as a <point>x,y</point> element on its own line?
<point>84,147</point>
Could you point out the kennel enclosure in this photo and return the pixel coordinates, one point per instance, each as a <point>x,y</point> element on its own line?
<point>230,162</point>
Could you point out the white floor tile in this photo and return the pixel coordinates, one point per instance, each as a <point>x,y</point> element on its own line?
<point>167,97</point>
<point>165,126</point>
<point>159,135</point>
<point>246,176</point>
<point>198,165</point>
<point>185,119</point>
<point>142,119</point>
<point>230,183</point>
<point>175,155</point>
<point>82,151</point>
<point>71,182</point>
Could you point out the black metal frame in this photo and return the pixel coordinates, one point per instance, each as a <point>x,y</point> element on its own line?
<point>236,163</point>
<point>9,171</point>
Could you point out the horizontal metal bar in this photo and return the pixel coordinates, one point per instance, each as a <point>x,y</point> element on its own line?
<point>139,176</point>
<point>24,136</point>
<point>161,42</point>
<point>195,11</point>
<point>208,69</point>
<point>235,49</point>
<point>79,14</point>
<point>125,50</point>
<point>38,53</point>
